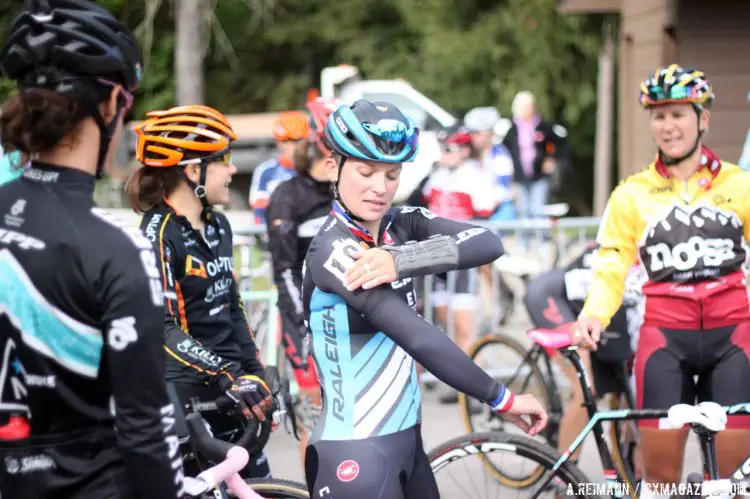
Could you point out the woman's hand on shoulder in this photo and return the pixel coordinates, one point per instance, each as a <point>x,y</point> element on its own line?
<point>372,268</point>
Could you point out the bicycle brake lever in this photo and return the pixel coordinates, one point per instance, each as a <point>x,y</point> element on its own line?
<point>291,417</point>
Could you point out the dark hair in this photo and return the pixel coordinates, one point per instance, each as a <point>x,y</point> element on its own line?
<point>146,187</point>
<point>37,119</point>
<point>305,154</point>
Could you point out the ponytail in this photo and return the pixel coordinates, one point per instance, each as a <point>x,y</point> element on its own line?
<point>146,187</point>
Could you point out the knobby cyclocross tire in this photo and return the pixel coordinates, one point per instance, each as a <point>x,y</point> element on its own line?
<point>622,458</point>
<point>516,482</point>
<point>521,445</point>
<point>271,488</point>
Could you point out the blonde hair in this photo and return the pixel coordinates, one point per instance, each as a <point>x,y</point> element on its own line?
<point>522,100</point>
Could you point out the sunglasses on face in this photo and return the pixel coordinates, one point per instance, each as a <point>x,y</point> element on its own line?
<point>224,157</point>
<point>391,135</point>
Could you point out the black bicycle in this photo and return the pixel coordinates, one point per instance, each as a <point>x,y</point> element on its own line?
<point>219,457</point>
<point>556,475</point>
<point>533,370</point>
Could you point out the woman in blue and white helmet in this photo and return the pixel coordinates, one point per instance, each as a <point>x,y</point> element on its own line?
<point>366,337</point>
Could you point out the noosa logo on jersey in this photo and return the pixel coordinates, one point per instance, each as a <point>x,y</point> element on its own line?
<point>695,244</point>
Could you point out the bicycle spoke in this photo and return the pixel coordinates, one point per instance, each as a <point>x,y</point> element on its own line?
<point>472,481</point>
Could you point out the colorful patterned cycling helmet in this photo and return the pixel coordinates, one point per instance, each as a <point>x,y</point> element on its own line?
<point>320,110</point>
<point>291,125</point>
<point>676,84</point>
<point>372,131</point>
<point>183,135</point>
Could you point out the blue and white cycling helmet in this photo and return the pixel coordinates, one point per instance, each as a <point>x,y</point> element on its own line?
<point>372,131</point>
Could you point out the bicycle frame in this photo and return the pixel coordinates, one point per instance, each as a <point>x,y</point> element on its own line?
<point>555,402</point>
<point>596,418</point>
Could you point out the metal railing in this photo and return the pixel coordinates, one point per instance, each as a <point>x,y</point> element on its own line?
<point>552,243</point>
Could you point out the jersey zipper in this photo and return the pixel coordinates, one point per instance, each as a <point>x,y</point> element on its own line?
<point>685,193</point>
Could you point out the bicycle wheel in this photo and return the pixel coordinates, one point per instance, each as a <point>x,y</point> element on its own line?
<point>271,488</point>
<point>500,350</point>
<point>624,437</point>
<point>497,354</point>
<point>520,449</point>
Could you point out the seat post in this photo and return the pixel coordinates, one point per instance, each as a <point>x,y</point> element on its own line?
<point>571,353</point>
<point>707,440</point>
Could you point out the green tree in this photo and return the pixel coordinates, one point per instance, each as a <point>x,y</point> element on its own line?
<point>264,54</point>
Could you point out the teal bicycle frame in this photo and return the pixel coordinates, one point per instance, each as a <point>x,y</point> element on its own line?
<point>596,419</point>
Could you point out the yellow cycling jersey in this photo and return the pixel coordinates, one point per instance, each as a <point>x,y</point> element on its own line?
<point>684,232</point>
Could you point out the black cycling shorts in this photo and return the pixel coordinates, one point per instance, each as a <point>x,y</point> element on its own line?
<point>393,466</point>
<point>668,359</point>
<point>548,307</point>
<point>83,464</point>
<point>223,426</point>
<point>459,288</point>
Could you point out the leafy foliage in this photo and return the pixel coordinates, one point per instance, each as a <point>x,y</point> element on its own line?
<point>264,54</point>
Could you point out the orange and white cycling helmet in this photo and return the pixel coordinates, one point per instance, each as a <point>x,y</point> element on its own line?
<point>185,135</point>
<point>291,125</point>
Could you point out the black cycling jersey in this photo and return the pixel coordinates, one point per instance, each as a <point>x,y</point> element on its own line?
<point>296,211</point>
<point>81,306</point>
<point>366,342</point>
<point>207,337</point>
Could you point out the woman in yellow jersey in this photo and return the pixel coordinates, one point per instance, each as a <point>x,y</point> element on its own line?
<point>687,215</point>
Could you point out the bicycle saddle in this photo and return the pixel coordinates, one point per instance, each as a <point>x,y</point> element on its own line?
<point>551,339</point>
<point>710,415</point>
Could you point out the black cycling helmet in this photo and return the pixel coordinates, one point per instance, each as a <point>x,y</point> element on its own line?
<point>83,42</point>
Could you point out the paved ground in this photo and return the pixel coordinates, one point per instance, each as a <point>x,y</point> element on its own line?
<point>442,423</point>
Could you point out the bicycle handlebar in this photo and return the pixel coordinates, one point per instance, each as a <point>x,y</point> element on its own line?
<point>256,434</point>
<point>230,458</point>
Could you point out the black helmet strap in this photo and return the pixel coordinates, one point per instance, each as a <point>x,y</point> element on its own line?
<point>106,132</point>
<point>200,188</point>
<point>337,194</point>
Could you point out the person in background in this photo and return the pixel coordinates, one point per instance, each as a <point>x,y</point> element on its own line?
<point>290,128</point>
<point>458,189</point>
<point>539,149</point>
<point>492,155</point>
<point>295,213</point>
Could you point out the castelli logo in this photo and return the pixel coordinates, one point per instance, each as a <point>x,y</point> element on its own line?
<point>347,470</point>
